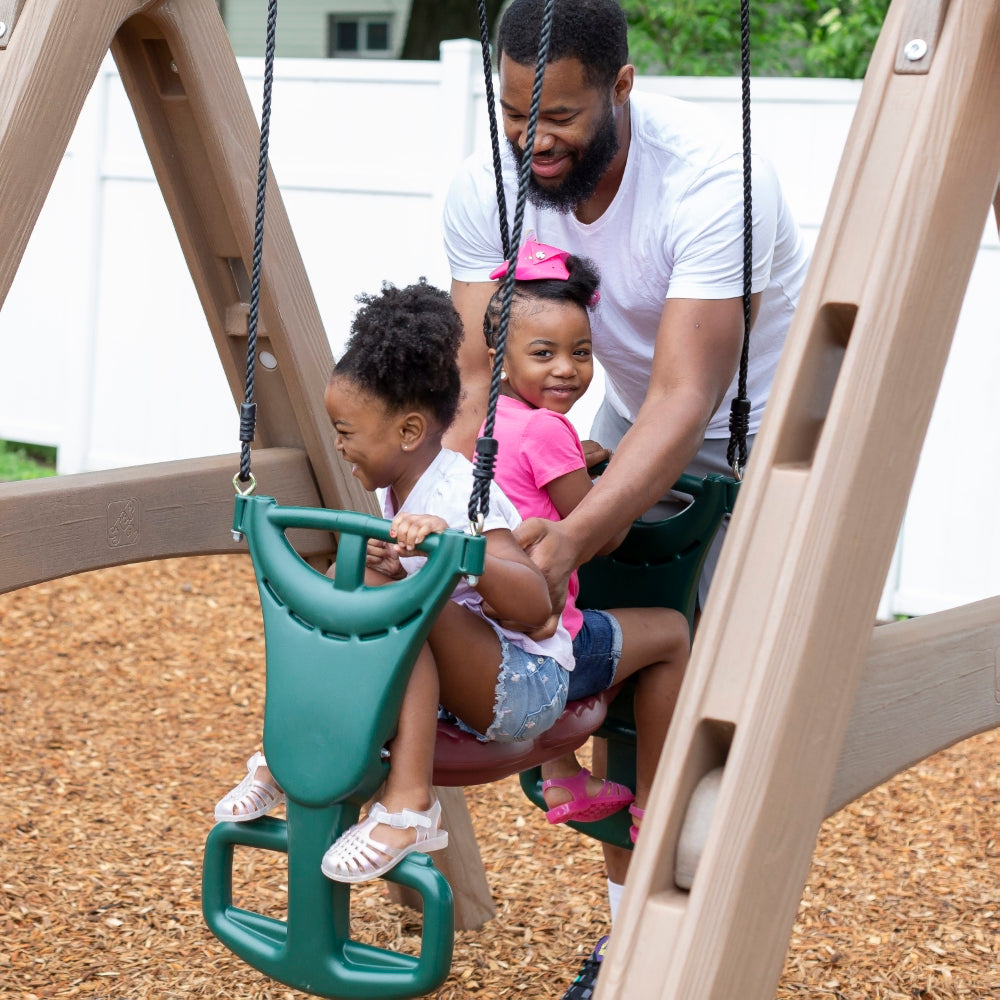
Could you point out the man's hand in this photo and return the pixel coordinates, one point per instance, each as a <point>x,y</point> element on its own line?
<point>595,454</point>
<point>553,551</point>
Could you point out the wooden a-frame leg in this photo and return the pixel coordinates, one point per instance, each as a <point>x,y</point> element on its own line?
<point>780,649</point>
<point>47,68</point>
<point>203,139</point>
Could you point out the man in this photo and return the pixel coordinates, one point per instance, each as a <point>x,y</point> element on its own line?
<point>651,190</point>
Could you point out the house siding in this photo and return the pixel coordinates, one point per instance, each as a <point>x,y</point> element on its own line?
<point>302,24</point>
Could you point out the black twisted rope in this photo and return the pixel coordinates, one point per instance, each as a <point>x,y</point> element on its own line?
<point>739,416</point>
<point>248,410</point>
<point>486,446</point>
<point>484,38</point>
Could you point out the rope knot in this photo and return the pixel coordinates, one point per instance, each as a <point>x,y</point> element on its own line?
<point>482,475</point>
<point>248,421</point>
<point>739,417</point>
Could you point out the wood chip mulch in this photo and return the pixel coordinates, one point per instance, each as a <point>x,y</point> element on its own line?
<point>130,699</point>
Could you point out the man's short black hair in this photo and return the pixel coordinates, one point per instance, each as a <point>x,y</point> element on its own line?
<point>594,32</point>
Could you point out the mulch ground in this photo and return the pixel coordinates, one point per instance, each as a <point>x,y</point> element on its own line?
<point>129,700</point>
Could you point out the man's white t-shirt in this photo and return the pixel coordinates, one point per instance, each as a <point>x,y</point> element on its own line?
<point>673,230</point>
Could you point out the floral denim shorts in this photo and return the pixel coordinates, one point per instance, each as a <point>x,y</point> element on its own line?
<point>530,695</point>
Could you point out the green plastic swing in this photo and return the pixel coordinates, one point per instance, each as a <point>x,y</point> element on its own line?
<point>338,655</point>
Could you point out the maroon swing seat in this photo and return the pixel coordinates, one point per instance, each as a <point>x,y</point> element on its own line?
<point>461,759</point>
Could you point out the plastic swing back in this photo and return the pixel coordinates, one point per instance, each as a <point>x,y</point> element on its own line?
<point>338,655</point>
<point>657,565</point>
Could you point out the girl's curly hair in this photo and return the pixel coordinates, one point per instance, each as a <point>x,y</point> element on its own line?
<point>403,349</point>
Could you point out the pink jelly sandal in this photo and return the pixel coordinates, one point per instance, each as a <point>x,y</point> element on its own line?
<point>356,857</point>
<point>633,831</point>
<point>583,808</point>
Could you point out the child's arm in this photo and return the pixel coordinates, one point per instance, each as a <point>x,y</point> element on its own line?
<point>567,491</point>
<point>510,583</point>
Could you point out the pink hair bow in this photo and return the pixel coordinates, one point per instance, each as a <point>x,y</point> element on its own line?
<point>536,262</point>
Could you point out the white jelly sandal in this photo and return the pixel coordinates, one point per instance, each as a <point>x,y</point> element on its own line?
<point>356,857</point>
<point>251,798</point>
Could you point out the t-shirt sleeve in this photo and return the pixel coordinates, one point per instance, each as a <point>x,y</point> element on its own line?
<point>551,447</point>
<point>471,225</point>
<point>707,232</point>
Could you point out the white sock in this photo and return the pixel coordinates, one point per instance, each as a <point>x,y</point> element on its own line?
<point>615,891</point>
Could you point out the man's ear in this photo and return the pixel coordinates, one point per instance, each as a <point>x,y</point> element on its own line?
<point>412,429</point>
<point>623,84</point>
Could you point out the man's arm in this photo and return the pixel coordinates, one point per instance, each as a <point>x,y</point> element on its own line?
<point>470,298</point>
<point>697,353</point>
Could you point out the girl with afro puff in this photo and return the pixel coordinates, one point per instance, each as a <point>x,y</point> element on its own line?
<point>391,397</point>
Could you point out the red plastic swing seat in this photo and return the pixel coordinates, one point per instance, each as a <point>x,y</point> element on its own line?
<point>461,759</point>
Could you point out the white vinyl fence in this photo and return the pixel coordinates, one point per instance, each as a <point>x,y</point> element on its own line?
<point>107,356</point>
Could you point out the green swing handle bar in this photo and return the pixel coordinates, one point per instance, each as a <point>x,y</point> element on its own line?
<point>344,605</point>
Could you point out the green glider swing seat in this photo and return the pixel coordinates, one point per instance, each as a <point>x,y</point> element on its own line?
<point>338,655</point>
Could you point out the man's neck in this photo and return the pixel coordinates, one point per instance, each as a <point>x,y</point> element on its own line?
<point>597,204</point>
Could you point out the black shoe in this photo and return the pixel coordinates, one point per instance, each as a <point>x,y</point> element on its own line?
<point>582,988</point>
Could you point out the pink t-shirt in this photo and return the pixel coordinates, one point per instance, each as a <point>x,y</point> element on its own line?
<point>537,446</point>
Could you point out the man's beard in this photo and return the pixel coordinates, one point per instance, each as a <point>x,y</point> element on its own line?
<point>584,176</point>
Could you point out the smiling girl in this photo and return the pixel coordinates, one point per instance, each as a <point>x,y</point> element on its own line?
<point>547,366</point>
<point>391,397</point>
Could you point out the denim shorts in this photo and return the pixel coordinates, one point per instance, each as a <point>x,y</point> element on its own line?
<point>597,648</point>
<point>530,695</point>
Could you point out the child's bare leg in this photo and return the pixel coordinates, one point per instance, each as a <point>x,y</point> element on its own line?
<point>467,655</point>
<point>655,647</point>
<point>411,761</point>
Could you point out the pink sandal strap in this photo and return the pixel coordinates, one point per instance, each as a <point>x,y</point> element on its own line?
<point>633,831</point>
<point>584,808</point>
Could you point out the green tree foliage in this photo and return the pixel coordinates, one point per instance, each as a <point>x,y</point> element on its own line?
<point>431,21</point>
<point>788,37</point>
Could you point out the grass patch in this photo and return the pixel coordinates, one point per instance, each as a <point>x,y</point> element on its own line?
<point>25,461</point>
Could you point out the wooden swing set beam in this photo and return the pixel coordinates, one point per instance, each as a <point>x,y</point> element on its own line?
<point>779,655</point>
<point>203,140</point>
<point>64,525</point>
<point>199,128</point>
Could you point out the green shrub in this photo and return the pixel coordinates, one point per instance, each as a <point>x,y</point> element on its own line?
<point>787,37</point>
<point>25,461</point>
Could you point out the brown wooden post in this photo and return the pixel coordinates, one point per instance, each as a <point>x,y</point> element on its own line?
<point>780,649</point>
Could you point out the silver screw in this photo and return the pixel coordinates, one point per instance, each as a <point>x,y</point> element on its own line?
<point>915,49</point>
<point>173,67</point>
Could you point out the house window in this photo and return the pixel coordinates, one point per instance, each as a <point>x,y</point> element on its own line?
<point>359,36</point>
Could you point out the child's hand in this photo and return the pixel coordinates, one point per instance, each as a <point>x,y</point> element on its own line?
<point>410,530</point>
<point>594,453</point>
<point>383,558</point>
